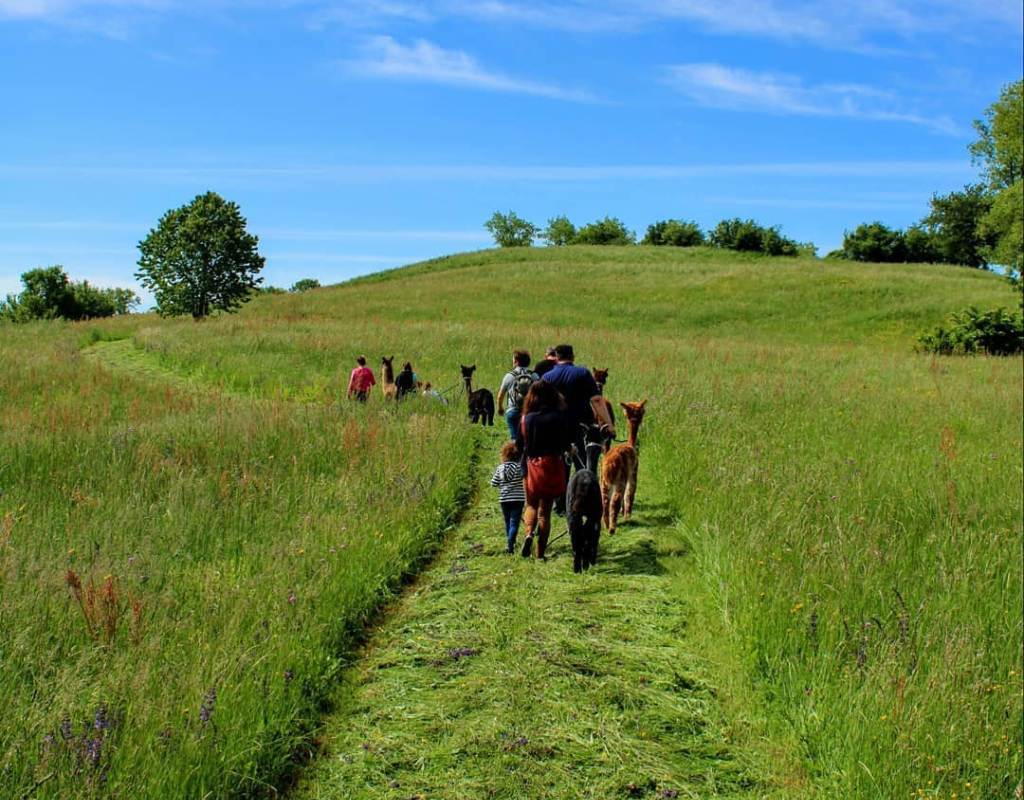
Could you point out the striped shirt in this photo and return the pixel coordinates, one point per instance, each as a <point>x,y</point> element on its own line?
<point>508,477</point>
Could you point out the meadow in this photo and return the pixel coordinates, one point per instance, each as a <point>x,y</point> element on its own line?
<point>851,508</point>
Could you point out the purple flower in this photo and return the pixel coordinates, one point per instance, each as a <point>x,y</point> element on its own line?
<point>291,598</point>
<point>49,741</point>
<point>207,706</point>
<point>288,675</point>
<point>101,721</point>
<point>94,751</point>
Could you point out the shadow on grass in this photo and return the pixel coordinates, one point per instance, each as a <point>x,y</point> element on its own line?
<point>640,558</point>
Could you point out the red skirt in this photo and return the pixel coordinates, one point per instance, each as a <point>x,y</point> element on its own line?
<point>545,478</point>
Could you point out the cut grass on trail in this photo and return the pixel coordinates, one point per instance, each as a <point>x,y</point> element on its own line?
<point>502,677</point>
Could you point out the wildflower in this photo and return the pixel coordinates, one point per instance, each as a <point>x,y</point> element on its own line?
<point>292,598</point>
<point>94,751</point>
<point>49,741</point>
<point>101,721</point>
<point>207,706</point>
<point>288,675</point>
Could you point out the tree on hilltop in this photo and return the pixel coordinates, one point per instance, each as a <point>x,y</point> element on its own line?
<point>559,232</point>
<point>511,230</point>
<point>304,285</point>
<point>200,259</point>
<point>607,231</point>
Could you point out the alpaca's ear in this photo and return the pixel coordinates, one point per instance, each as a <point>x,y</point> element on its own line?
<point>626,406</point>
<point>473,368</point>
<point>643,402</point>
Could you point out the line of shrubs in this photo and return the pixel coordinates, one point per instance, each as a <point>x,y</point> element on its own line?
<point>511,230</point>
<point>49,294</point>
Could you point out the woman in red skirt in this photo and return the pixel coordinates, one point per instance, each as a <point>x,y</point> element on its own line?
<point>546,439</point>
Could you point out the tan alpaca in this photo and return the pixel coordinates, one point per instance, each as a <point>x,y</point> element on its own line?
<point>618,473</point>
<point>387,379</point>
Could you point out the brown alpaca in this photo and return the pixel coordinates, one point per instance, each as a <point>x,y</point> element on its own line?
<point>618,473</point>
<point>387,379</point>
<point>602,409</point>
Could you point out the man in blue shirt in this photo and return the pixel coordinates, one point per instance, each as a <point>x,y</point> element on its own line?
<point>577,386</point>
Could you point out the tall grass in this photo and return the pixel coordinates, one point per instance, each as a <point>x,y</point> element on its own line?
<point>854,506</point>
<point>183,573</point>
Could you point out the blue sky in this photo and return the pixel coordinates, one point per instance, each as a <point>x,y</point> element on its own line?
<point>358,136</point>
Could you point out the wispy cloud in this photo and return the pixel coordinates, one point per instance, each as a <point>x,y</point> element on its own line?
<point>341,174</point>
<point>719,86</point>
<point>425,62</point>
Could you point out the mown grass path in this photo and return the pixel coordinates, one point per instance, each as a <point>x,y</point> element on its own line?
<point>501,677</point>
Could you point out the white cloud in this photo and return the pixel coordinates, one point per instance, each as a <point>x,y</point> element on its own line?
<point>425,62</point>
<point>342,174</point>
<point>719,86</point>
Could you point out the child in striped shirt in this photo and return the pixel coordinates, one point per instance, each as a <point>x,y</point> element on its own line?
<point>508,477</point>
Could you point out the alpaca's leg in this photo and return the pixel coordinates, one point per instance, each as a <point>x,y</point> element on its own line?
<point>631,490</point>
<point>614,503</point>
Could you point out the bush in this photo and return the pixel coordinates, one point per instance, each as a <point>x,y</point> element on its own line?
<point>305,285</point>
<point>610,230</point>
<point>920,246</point>
<point>511,230</point>
<point>50,294</point>
<point>876,242</point>
<point>559,232</point>
<point>748,236</point>
<point>997,332</point>
<point>674,233</point>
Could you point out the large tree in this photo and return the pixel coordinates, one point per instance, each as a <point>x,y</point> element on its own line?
<point>1000,152</point>
<point>955,224</point>
<point>200,258</point>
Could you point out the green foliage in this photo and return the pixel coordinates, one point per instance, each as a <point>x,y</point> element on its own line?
<point>305,285</point>
<point>200,259</point>
<point>997,332</point>
<point>921,246</point>
<point>748,236</point>
<point>607,231</point>
<point>875,242</point>
<point>269,290</point>
<point>674,233</point>
<point>49,294</point>
<point>511,230</point>
<point>955,224</point>
<point>1000,145</point>
<point>559,232</point>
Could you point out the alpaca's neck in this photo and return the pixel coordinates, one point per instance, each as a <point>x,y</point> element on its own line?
<point>593,454</point>
<point>469,384</point>
<point>389,374</point>
<point>634,429</point>
<point>600,388</point>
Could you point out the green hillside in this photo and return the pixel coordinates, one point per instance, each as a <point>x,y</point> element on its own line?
<point>842,513</point>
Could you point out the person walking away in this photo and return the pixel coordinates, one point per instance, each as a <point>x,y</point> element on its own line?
<point>577,385</point>
<point>514,387</point>
<point>547,363</point>
<point>405,381</point>
<point>545,431</point>
<point>508,477</point>
<point>361,381</point>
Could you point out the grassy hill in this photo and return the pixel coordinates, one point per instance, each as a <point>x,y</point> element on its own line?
<point>851,509</point>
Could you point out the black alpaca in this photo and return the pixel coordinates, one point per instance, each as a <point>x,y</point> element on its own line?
<point>583,509</point>
<point>481,402</point>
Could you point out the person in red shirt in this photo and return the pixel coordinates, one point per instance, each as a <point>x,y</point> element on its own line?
<point>361,381</point>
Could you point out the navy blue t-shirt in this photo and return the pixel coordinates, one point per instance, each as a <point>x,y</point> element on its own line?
<point>577,386</point>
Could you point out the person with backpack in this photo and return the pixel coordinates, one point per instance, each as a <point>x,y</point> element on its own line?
<point>361,380</point>
<point>514,388</point>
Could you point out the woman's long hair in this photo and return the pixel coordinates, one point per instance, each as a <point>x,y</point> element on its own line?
<point>543,397</point>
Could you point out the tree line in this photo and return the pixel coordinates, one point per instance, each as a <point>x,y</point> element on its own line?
<point>511,230</point>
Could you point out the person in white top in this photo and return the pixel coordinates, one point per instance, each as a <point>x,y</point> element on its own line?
<point>514,387</point>
<point>508,477</point>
